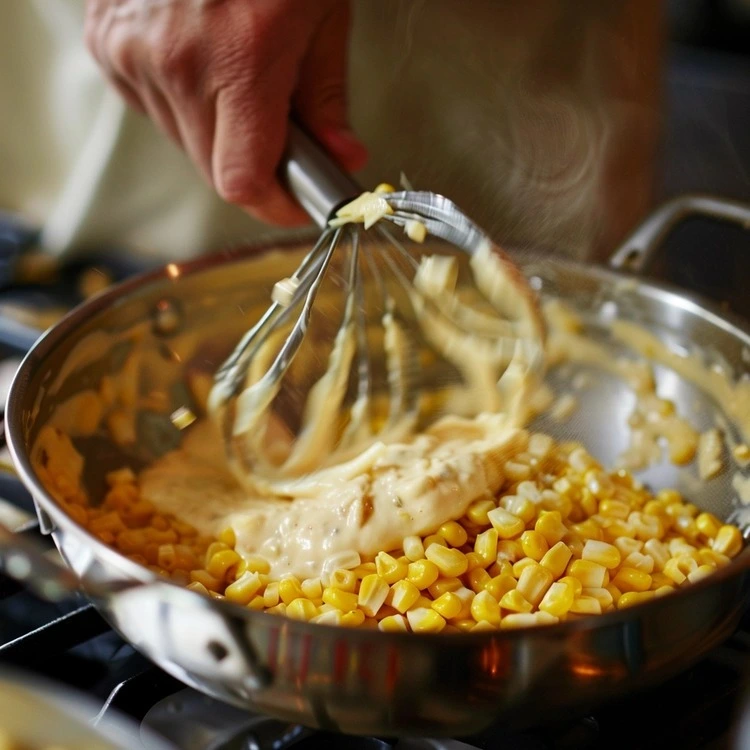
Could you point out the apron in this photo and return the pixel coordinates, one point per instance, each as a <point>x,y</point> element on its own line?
<point>541,120</point>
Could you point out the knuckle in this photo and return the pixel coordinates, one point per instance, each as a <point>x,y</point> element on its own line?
<point>235,184</point>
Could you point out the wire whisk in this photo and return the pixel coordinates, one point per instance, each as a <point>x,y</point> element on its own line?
<point>402,312</point>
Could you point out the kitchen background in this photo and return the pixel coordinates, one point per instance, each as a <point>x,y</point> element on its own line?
<point>706,148</point>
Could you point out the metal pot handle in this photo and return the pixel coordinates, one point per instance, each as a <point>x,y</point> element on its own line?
<point>647,238</point>
<point>24,561</point>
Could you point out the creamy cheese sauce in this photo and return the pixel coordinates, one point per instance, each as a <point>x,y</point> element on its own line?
<point>390,492</point>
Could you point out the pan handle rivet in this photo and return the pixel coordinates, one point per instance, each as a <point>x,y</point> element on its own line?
<point>218,650</point>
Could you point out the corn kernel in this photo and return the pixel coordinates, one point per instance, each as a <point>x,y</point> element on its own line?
<point>557,600</point>
<point>550,526</point>
<point>393,624</point>
<point>589,573</point>
<point>534,582</point>
<point>556,559</point>
<point>523,508</point>
<point>510,550</point>
<point>466,597</point>
<point>279,609</point>
<point>574,583</point>
<point>639,561</point>
<point>424,620</point>
<point>534,545</point>
<point>485,607</point>
<point>514,601</point>
<point>728,541</point>
<point>243,589</point>
<point>474,560</point>
<point>477,579</point>
<point>389,568</point>
<point>602,595</point>
<point>444,584</point>
<point>228,537</point>
<point>506,524</point>
<point>330,617</point>
<point>405,595</point>
<point>205,578</point>
<point>453,533</point>
<point>346,580</point>
<point>525,620</point>
<point>702,571</point>
<point>312,588</point>
<point>448,605</point>
<point>220,563</point>
<point>343,600</point>
<point>257,564</point>
<point>603,553</point>
<point>586,605</point>
<point>483,626</point>
<point>615,509</point>
<point>372,594</point>
<point>434,539</point>
<point>422,573</point>
<point>352,619</point>
<point>588,529</point>
<point>498,586</point>
<point>485,546</point>
<point>450,562</point>
<point>477,511</point>
<point>634,597</point>
<point>413,549</point>
<point>301,609</point>
<point>256,603</point>
<point>465,625</point>
<point>630,579</point>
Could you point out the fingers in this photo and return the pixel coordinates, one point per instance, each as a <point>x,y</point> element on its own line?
<point>321,95</point>
<point>249,140</point>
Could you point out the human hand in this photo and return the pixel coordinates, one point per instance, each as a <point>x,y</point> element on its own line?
<point>220,78</point>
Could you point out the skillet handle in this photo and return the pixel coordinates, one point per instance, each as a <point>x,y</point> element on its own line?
<point>638,249</point>
<point>25,561</point>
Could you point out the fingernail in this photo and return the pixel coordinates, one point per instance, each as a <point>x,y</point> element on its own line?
<point>345,146</point>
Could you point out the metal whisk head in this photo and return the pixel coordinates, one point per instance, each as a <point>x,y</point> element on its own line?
<point>376,336</point>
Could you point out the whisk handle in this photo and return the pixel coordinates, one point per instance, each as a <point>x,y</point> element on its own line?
<point>312,176</point>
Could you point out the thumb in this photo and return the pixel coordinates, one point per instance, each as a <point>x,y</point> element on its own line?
<point>321,96</point>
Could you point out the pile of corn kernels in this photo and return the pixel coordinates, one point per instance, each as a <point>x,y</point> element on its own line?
<point>563,539</point>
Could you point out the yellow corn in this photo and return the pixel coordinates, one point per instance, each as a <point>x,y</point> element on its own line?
<point>639,561</point>
<point>343,600</point>
<point>515,601</point>
<point>627,544</point>
<point>634,597</point>
<point>206,579</point>
<point>279,609</point>
<point>523,563</point>
<point>330,617</point>
<point>589,573</point>
<point>586,605</point>
<point>601,552</point>
<point>393,624</point>
<point>466,597</point>
<point>534,545</point>
<point>485,608</point>
<point>534,582</point>
<point>602,595</point>
<point>523,508</point>
<point>289,590</point>
<point>702,571</point>
<point>405,595</point>
<point>312,588</point>
<point>485,546</point>
<point>477,511</point>
<point>422,573</point>
<point>513,621</point>
<point>558,600</point>
<point>434,539</point>
<point>510,550</point>
<point>556,559</point>
<point>657,551</point>
<point>346,580</point>
<point>413,548</point>
<point>550,526</point>
<point>453,533</point>
<point>448,605</point>
<point>450,562</point>
<point>372,594</point>
<point>352,619</point>
<point>442,585</point>
<point>506,524</point>
<point>677,568</point>
<point>301,609</point>
<point>498,586</point>
<point>574,583</point>
<point>221,562</point>
<point>424,620</point>
<point>588,529</point>
<point>477,579</point>
<point>614,509</point>
<point>474,560</point>
<point>243,589</point>
<point>631,579</point>
<point>390,568</point>
<point>728,541</point>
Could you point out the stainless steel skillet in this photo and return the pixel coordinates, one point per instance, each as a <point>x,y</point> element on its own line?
<point>361,681</point>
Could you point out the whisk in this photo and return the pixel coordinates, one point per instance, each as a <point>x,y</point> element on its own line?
<point>402,312</point>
